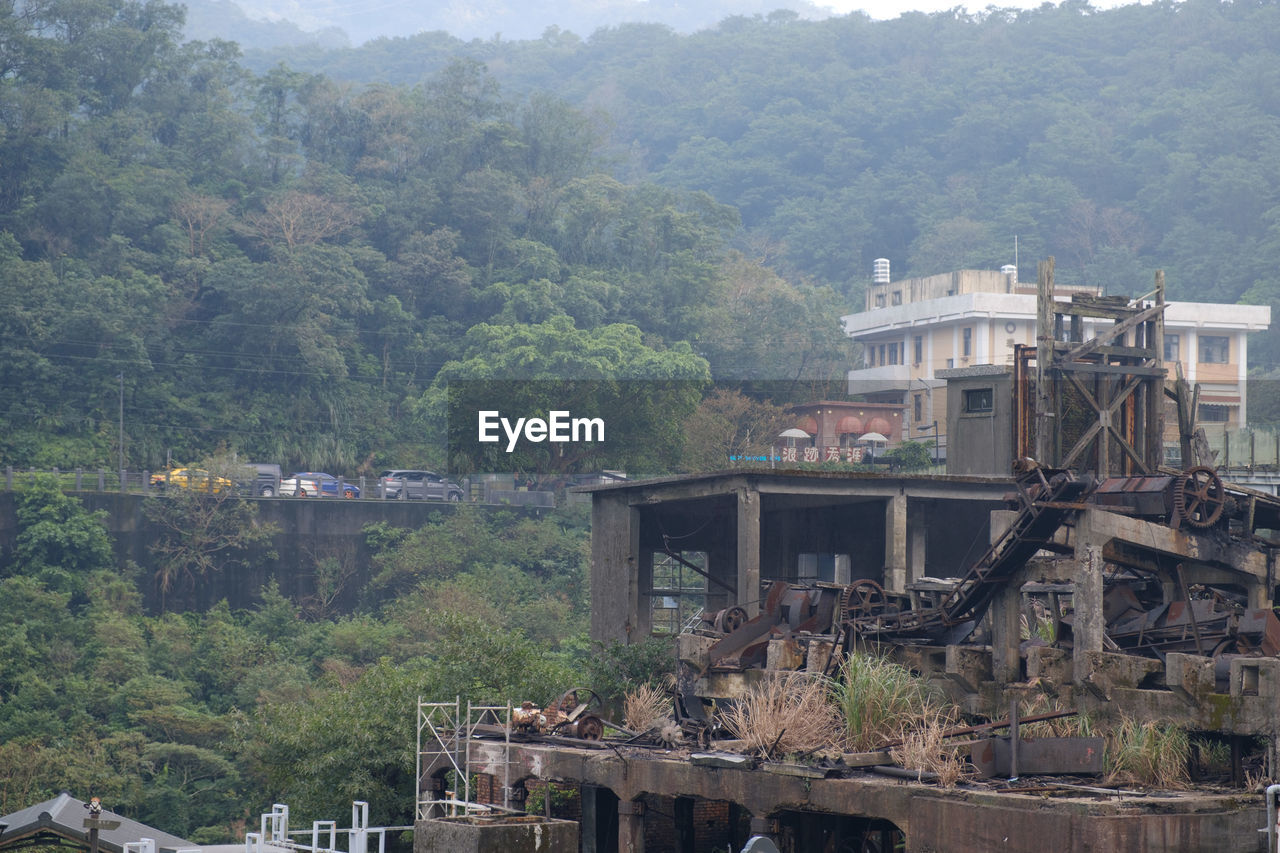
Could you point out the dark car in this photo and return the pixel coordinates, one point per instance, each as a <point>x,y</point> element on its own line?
<point>261,478</point>
<point>418,485</point>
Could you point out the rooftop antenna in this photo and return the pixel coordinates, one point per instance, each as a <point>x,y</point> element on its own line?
<point>1015,250</point>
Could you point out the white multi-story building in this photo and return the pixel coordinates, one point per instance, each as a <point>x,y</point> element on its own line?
<point>912,328</point>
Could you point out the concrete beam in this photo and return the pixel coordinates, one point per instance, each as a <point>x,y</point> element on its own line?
<point>1098,527</point>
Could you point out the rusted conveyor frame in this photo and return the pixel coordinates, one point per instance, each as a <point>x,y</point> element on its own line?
<point>1046,504</point>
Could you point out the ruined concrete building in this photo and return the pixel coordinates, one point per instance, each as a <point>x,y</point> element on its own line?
<point>1149,590</point>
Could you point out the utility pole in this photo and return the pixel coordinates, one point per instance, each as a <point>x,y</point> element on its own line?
<point>121,377</point>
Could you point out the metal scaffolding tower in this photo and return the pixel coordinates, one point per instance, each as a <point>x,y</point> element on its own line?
<point>443,737</point>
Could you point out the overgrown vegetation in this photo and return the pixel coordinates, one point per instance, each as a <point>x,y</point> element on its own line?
<point>879,699</point>
<point>1148,753</point>
<point>194,722</point>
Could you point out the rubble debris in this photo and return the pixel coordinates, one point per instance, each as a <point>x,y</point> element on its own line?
<point>574,715</point>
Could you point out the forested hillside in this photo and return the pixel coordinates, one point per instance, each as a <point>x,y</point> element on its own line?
<point>281,262</point>
<point>196,722</point>
<point>280,266</point>
<point>1120,141</point>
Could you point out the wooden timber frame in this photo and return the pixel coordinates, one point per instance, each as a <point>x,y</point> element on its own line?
<point>1095,405</point>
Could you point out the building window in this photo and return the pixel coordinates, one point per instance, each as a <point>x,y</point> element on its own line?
<point>831,568</point>
<point>918,344</point>
<point>917,410</point>
<point>951,362</point>
<point>979,401</point>
<point>1210,414</point>
<point>879,300</point>
<point>893,353</point>
<point>967,345</point>
<point>1214,349</point>
<point>677,593</point>
<point>897,297</point>
<point>882,361</point>
<point>1172,347</point>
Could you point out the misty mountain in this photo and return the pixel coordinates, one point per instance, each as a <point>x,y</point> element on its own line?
<point>270,23</point>
<point>223,19</point>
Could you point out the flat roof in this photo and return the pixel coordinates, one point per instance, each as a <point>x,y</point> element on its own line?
<point>966,307</point>
<point>825,478</point>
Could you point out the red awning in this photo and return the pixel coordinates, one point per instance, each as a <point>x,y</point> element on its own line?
<point>850,425</point>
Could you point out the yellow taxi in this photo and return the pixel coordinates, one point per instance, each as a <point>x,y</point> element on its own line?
<point>195,479</point>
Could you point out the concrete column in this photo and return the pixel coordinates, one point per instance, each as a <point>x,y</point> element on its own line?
<point>1240,355</point>
<point>749,550</point>
<point>1086,601</point>
<point>1006,632</point>
<point>615,592</point>
<point>918,527</point>
<point>895,543</point>
<point>643,616</point>
<point>599,819</point>
<point>630,826</point>
<point>590,819</point>
<point>764,826</point>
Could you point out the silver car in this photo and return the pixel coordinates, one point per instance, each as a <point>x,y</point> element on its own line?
<point>418,485</point>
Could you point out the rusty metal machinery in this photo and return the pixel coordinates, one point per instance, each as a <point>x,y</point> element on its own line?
<point>862,598</point>
<point>1139,614</point>
<point>1046,499</point>
<point>1199,498</point>
<point>576,714</point>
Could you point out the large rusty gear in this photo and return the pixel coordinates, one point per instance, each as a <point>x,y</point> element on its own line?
<point>1198,497</point>
<point>861,598</point>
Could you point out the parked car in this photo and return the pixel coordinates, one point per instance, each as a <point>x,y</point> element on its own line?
<point>195,479</point>
<point>261,478</point>
<point>310,484</point>
<point>418,485</point>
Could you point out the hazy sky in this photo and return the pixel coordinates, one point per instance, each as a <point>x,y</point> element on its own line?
<point>364,19</point>
<point>884,9</point>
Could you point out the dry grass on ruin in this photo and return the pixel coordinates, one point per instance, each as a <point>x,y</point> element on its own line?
<point>787,713</point>
<point>926,749</point>
<point>646,707</point>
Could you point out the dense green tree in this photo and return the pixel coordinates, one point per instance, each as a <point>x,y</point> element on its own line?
<point>58,541</point>
<point>203,534</point>
<point>528,371</point>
